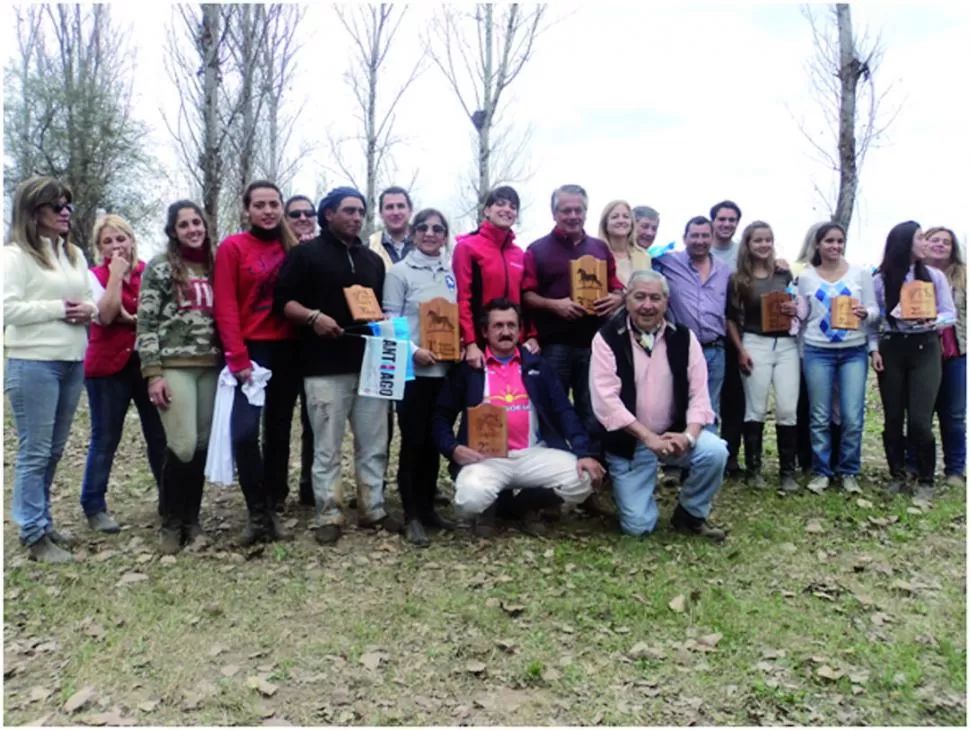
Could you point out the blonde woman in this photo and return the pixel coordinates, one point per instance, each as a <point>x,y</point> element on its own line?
<point>616,228</point>
<point>943,252</point>
<point>112,368</point>
<point>46,305</point>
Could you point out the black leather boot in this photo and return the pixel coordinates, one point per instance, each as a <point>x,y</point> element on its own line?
<point>195,486</point>
<point>787,438</point>
<point>753,436</point>
<point>171,504</point>
<point>896,461</point>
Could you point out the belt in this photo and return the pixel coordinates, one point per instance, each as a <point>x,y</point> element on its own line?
<point>716,342</point>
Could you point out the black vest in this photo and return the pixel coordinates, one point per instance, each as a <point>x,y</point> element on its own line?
<point>616,334</point>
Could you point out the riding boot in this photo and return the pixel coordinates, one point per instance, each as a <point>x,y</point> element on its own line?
<point>753,434</point>
<point>787,438</point>
<point>172,503</point>
<point>195,486</point>
<point>896,461</point>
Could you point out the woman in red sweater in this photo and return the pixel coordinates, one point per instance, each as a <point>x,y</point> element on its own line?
<point>488,265</point>
<point>112,369</point>
<point>247,265</point>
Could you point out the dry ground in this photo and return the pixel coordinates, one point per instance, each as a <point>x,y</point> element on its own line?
<point>818,610</point>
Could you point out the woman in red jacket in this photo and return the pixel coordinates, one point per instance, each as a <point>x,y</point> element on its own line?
<point>247,265</point>
<point>112,369</point>
<point>488,265</point>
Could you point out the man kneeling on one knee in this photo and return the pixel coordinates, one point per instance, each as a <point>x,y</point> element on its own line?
<point>648,385</point>
<point>548,447</point>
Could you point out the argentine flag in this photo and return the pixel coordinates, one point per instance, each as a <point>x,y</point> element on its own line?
<point>659,249</point>
<point>396,328</point>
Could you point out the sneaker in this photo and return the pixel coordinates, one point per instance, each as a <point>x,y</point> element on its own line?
<point>701,530</point>
<point>955,480</point>
<point>275,530</point>
<point>416,534</point>
<point>923,493</point>
<point>757,481</point>
<point>850,485</point>
<point>103,522</point>
<point>533,525</point>
<point>818,484</point>
<point>897,484</point>
<point>45,551</point>
<point>788,483</point>
<point>327,534</point>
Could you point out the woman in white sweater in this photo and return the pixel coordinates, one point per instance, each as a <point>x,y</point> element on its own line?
<point>46,304</point>
<point>836,356</point>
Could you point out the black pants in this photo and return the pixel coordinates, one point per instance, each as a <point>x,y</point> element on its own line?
<point>908,384</point>
<point>306,455</point>
<point>732,403</point>
<point>418,463</point>
<point>263,473</point>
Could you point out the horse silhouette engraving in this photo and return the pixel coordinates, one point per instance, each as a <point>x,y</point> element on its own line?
<point>586,278</point>
<point>440,321</point>
<point>490,423</point>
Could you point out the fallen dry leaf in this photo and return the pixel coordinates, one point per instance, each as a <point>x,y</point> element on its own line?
<point>373,659</point>
<point>506,645</point>
<point>267,689</point>
<point>341,696</point>
<point>79,699</point>
<point>492,602</point>
<point>513,609</point>
<point>476,667</point>
<point>678,604</point>
<point>95,631</point>
<point>905,587</point>
<point>864,503</point>
<point>710,640</point>
<point>168,560</point>
<point>814,527</point>
<point>148,706</point>
<point>551,675</point>
<point>39,694</point>
<point>639,650</point>
<point>508,700</point>
<point>229,670</point>
<point>827,672</point>
<point>129,578</point>
<point>112,718</point>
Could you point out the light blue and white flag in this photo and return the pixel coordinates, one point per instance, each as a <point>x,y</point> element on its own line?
<point>396,328</point>
<point>383,372</point>
<point>659,249</point>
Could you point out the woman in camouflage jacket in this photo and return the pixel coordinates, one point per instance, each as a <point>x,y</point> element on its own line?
<point>180,358</point>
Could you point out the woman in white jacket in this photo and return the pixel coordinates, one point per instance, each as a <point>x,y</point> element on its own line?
<point>46,304</point>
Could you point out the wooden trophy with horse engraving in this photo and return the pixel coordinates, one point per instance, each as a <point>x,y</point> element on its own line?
<point>488,430</point>
<point>917,300</point>
<point>439,328</point>
<point>588,281</point>
<point>363,303</point>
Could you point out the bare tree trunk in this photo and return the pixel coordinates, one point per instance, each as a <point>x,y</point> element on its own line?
<point>485,128</point>
<point>211,162</point>
<point>849,72</point>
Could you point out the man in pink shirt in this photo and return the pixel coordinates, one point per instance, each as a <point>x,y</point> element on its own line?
<point>548,447</point>
<point>648,386</point>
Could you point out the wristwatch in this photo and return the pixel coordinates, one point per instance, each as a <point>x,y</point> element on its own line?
<point>690,439</point>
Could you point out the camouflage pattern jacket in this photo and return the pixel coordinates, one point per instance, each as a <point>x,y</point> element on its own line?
<point>176,329</point>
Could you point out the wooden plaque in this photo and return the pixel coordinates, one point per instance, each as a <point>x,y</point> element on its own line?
<point>772,319</point>
<point>439,328</point>
<point>917,300</point>
<point>363,304</point>
<point>488,430</point>
<point>588,281</point>
<point>843,318</point>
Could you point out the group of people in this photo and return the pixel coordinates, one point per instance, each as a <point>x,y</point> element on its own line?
<point>587,406</point>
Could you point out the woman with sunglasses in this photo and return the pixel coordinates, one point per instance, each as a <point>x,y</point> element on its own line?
<point>112,368</point>
<point>46,304</point>
<point>424,274</point>
<point>252,334</point>
<point>302,220</point>
<point>180,357</point>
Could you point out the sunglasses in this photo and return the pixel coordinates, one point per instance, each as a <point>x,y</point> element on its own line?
<point>297,214</point>
<point>423,228</point>
<point>58,207</point>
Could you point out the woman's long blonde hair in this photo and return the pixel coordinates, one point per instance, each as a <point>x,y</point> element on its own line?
<point>956,270</point>
<point>745,273</point>
<point>631,236</point>
<point>30,195</point>
<point>112,220</point>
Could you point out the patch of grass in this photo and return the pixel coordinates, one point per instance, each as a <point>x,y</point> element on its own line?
<point>578,628</point>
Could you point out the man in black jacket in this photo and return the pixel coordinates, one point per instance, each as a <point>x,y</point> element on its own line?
<point>310,293</point>
<point>548,447</point>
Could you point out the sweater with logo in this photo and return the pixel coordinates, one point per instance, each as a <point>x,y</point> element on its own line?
<point>176,326</point>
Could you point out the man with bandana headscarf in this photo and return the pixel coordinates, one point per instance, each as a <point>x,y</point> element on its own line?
<point>310,294</point>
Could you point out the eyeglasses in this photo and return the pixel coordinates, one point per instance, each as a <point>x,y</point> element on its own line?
<point>58,207</point>
<point>423,228</point>
<point>297,214</point>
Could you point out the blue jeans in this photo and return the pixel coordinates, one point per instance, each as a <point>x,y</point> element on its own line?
<point>714,355</point>
<point>634,482</point>
<point>43,397</point>
<point>849,368</point>
<point>108,399</point>
<point>571,364</point>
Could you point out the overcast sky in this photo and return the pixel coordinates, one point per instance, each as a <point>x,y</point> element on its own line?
<point>674,106</point>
